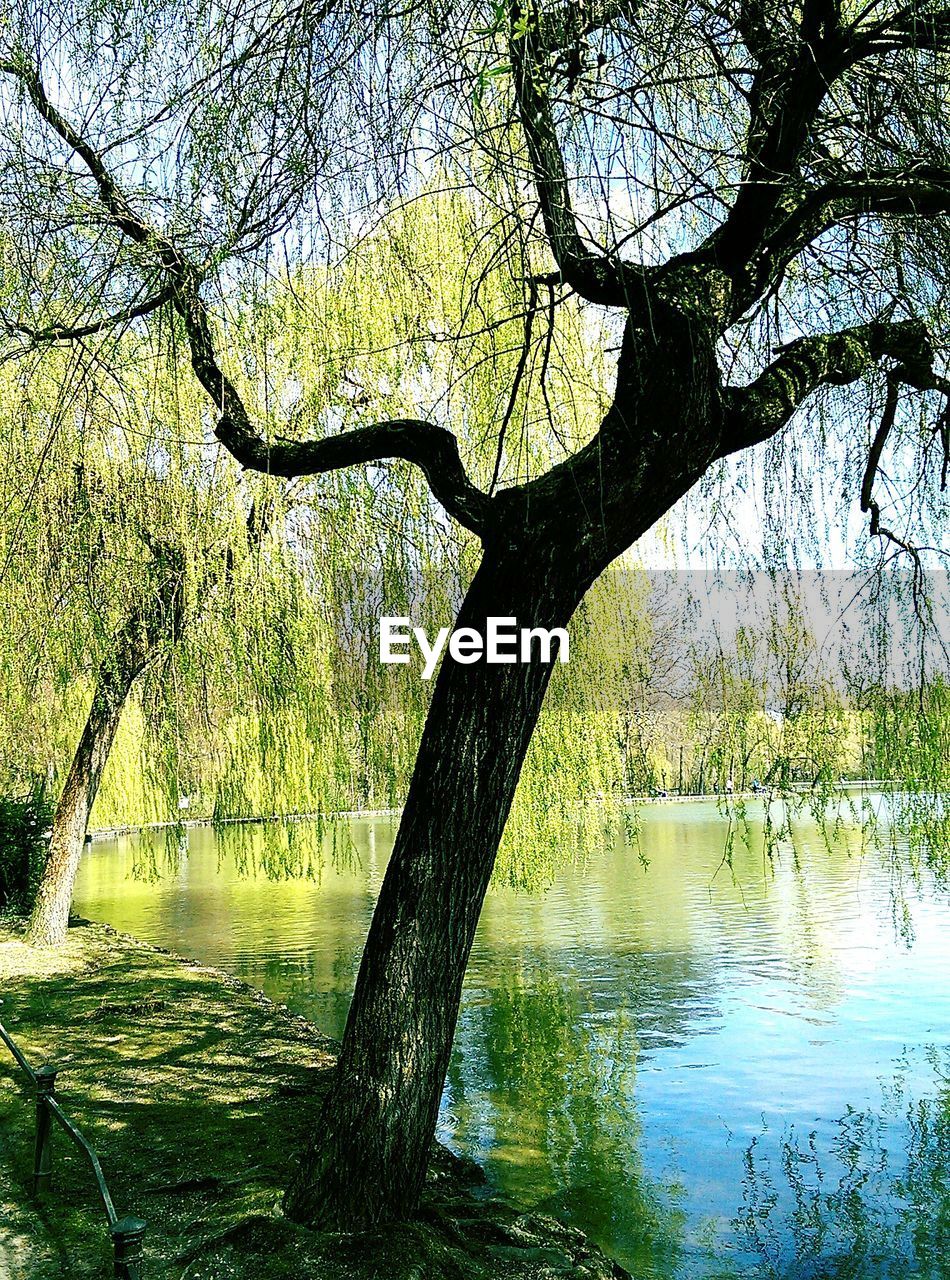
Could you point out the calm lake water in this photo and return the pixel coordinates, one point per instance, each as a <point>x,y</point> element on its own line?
<point>713,1073</point>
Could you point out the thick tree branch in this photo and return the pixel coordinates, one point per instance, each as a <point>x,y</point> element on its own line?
<point>771,219</point>
<point>430,447</point>
<point>754,29</point>
<point>888,418</point>
<point>820,19</point>
<point>111,195</point>
<point>912,27</point>
<point>756,412</point>
<point>868,502</point>
<point>787,92</point>
<point>920,191</point>
<point>591,274</point>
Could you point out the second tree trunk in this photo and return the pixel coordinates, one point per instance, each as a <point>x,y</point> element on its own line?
<point>50,917</point>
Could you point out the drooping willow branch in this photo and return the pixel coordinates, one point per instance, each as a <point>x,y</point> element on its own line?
<point>432,448</point>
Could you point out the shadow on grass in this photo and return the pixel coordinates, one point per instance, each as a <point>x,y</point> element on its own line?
<point>196,1092</point>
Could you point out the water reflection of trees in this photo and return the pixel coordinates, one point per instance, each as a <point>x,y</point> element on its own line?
<point>874,1202</point>
<point>544,1078</point>
<point>567,993</point>
<point>277,850</point>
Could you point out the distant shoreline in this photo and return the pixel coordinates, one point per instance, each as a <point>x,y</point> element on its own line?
<point>99,834</point>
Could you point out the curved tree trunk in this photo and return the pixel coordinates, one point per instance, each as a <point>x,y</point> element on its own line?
<point>50,917</point>
<point>369,1152</point>
<point>133,648</point>
<point>544,545</point>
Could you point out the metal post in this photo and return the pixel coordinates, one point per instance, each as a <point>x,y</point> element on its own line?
<point>127,1235</point>
<point>42,1155</point>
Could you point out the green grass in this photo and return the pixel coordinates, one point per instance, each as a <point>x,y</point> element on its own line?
<point>196,1092</point>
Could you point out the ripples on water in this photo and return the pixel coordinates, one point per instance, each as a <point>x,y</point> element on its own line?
<point>712,1072</point>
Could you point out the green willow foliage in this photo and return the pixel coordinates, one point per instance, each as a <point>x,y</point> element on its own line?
<point>910,734</point>
<point>23,822</point>
<point>271,699</point>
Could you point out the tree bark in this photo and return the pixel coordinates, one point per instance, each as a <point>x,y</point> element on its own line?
<point>49,919</point>
<point>368,1154</point>
<point>545,543</point>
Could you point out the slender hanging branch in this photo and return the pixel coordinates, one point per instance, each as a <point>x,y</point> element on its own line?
<point>516,381</point>
<point>868,501</point>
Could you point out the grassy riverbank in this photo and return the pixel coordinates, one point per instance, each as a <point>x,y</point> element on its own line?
<point>196,1091</point>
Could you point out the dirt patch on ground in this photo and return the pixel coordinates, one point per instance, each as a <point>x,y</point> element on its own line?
<point>196,1092</point>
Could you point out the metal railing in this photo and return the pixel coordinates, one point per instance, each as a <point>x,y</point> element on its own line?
<point>128,1232</point>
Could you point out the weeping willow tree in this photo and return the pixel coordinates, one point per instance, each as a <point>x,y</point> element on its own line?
<point>129,560</point>
<point>255,611</point>
<point>101,541</point>
<point>742,205</point>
